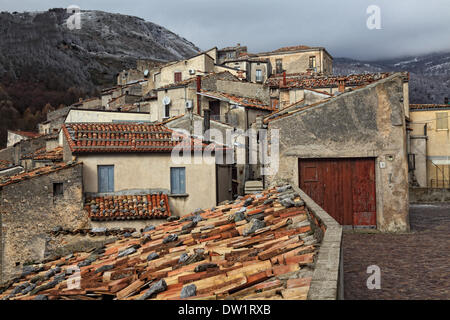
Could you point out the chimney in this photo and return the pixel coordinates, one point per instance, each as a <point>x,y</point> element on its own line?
<point>446,100</point>
<point>199,87</point>
<point>206,124</point>
<point>284,78</point>
<point>341,82</point>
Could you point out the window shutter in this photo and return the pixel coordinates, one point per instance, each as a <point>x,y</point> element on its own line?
<point>177,180</point>
<point>442,120</point>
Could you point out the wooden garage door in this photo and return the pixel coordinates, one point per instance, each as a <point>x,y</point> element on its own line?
<point>345,188</point>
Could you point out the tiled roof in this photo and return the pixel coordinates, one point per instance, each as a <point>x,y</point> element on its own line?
<point>193,80</point>
<point>5,164</point>
<point>35,173</point>
<point>41,154</point>
<point>128,207</point>
<point>247,102</point>
<point>414,107</point>
<point>292,48</point>
<point>314,81</point>
<point>125,137</point>
<point>291,109</point>
<point>261,246</point>
<point>27,134</point>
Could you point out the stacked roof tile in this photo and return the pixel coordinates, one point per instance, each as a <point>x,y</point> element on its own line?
<point>128,207</point>
<point>261,246</point>
<point>5,164</point>
<point>42,154</point>
<point>315,81</point>
<point>27,134</point>
<point>4,181</point>
<point>125,137</point>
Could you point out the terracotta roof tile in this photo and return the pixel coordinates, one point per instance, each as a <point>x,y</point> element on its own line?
<point>238,250</point>
<point>5,164</point>
<point>125,137</point>
<point>42,154</point>
<point>128,207</point>
<point>414,107</point>
<point>246,102</point>
<point>27,134</point>
<point>315,81</point>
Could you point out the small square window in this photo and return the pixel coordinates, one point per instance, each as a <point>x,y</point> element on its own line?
<point>58,189</point>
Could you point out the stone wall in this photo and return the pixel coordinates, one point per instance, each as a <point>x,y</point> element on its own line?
<point>328,278</point>
<point>29,210</point>
<point>429,195</point>
<point>366,123</point>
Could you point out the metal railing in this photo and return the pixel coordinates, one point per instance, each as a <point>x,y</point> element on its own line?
<point>435,183</point>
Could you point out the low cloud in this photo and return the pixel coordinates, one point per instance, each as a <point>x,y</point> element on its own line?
<point>408,27</point>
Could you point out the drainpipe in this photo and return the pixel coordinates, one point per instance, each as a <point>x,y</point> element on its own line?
<point>206,125</point>
<point>199,87</point>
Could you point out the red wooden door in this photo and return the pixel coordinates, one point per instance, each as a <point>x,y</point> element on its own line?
<point>345,188</point>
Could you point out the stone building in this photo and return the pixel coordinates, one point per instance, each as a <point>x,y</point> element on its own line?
<point>349,154</point>
<point>33,203</point>
<point>299,59</point>
<point>17,136</point>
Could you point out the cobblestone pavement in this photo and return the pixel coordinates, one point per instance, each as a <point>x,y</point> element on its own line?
<point>413,266</point>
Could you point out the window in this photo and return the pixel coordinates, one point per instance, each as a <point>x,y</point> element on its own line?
<point>279,66</point>
<point>58,189</point>
<point>105,178</point>
<point>441,120</point>
<point>177,76</point>
<point>177,180</point>
<point>312,62</point>
<point>258,75</point>
<point>230,55</point>
<point>166,111</point>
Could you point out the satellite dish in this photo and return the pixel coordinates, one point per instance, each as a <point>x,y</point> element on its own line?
<point>146,73</point>
<point>166,100</point>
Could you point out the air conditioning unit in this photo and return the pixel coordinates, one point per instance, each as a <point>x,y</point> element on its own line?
<point>191,71</point>
<point>188,104</point>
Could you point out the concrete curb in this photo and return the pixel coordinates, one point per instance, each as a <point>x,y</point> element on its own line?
<point>327,282</point>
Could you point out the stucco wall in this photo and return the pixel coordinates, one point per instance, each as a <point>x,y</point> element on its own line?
<point>244,89</point>
<point>29,210</point>
<point>202,63</point>
<point>368,122</point>
<point>438,143</point>
<point>178,98</point>
<point>152,171</point>
<point>419,148</point>
<point>296,62</point>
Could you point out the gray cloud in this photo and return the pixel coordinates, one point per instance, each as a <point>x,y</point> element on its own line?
<point>409,27</point>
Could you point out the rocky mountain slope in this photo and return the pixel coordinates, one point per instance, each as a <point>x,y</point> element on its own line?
<point>429,74</point>
<point>42,61</point>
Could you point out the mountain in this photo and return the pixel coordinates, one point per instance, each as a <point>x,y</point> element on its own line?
<point>429,74</point>
<point>43,62</point>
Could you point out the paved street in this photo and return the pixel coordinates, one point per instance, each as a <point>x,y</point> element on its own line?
<point>413,266</point>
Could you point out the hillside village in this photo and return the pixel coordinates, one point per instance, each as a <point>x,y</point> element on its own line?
<point>97,186</point>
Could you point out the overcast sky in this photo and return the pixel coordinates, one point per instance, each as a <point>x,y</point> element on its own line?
<point>408,27</point>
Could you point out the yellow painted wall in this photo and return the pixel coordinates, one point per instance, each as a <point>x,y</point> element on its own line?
<point>438,143</point>
<point>152,171</point>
